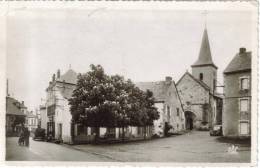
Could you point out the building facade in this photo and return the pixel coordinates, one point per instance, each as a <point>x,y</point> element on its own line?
<point>43,116</point>
<point>58,110</point>
<point>15,116</point>
<point>237,101</point>
<point>202,104</point>
<point>31,121</point>
<point>168,104</point>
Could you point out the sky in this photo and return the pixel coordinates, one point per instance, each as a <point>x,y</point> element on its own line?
<point>143,45</point>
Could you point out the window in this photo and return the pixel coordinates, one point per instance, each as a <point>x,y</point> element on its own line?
<point>168,111</point>
<point>244,115</point>
<point>243,105</point>
<point>244,128</point>
<point>244,83</point>
<point>201,76</point>
<point>244,109</point>
<point>178,111</point>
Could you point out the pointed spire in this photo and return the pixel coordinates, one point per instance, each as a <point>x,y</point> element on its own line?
<point>205,53</point>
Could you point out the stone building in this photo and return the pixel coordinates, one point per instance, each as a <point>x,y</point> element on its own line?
<point>201,103</point>
<point>15,116</point>
<point>58,111</point>
<point>237,100</point>
<point>168,104</point>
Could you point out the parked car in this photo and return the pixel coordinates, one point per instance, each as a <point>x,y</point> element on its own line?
<point>39,134</point>
<point>216,130</point>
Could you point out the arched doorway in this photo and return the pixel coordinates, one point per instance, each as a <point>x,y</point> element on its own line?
<point>189,118</point>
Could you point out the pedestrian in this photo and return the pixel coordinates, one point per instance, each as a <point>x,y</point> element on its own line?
<point>21,137</point>
<point>26,136</point>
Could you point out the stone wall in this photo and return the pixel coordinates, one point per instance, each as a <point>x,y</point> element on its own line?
<point>209,74</point>
<point>177,119</point>
<point>193,97</point>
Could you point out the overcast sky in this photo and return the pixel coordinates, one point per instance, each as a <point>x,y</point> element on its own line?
<point>141,45</point>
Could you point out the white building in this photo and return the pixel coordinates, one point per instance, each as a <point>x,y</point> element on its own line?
<point>31,120</point>
<point>43,116</point>
<point>58,111</point>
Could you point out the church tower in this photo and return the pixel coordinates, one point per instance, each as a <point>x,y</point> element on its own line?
<point>204,69</point>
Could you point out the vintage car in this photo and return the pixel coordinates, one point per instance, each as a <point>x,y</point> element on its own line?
<point>39,134</point>
<point>216,130</point>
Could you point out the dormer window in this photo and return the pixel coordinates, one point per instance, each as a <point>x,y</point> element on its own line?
<point>244,83</point>
<point>201,76</point>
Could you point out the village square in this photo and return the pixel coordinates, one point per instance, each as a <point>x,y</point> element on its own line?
<point>99,116</point>
<point>188,111</point>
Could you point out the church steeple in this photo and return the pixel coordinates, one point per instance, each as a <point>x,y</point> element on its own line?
<point>205,58</point>
<point>204,69</point>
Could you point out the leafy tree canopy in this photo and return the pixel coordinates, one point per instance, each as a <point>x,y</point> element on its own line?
<point>100,100</point>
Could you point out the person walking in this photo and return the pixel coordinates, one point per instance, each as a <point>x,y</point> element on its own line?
<point>26,136</point>
<point>21,137</point>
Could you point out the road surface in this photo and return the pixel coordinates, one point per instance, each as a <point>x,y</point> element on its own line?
<point>191,147</point>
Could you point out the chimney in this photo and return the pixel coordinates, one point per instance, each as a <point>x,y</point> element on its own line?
<point>242,50</point>
<point>53,77</point>
<point>58,74</point>
<point>168,80</point>
<point>22,102</point>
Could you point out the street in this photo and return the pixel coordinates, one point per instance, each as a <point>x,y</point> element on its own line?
<point>194,146</point>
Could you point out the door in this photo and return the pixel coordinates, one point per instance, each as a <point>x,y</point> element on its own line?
<point>189,118</point>
<point>51,129</point>
<point>59,131</point>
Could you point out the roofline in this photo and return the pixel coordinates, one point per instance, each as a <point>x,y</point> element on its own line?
<point>199,82</point>
<point>181,78</point>
<point>66,82</point>
<point>178,96</point>
<point>159,101</point>
<point>237,71</point>
<point>203,65</point>
<point>57,81</point>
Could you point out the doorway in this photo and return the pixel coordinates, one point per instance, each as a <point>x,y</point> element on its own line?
<point>189,118</point>
<point>59,131</point>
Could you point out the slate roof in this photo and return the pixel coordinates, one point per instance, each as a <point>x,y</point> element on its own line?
<point>159,89</point>
<point>195,79</point>
<point>241,62</point>
<point>205,53</point>
<point>13,106</point>
<point>69,77</point>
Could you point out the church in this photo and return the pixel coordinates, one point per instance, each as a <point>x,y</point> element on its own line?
<point>201,102</point>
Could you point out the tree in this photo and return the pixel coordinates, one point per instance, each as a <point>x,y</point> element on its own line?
<point>100,100</point>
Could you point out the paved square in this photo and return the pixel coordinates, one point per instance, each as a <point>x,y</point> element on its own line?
<point>195,146</point>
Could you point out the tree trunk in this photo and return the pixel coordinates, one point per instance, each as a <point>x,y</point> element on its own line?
<point>123,129</point>
<point>97,131</point>
<point>144,132</point>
